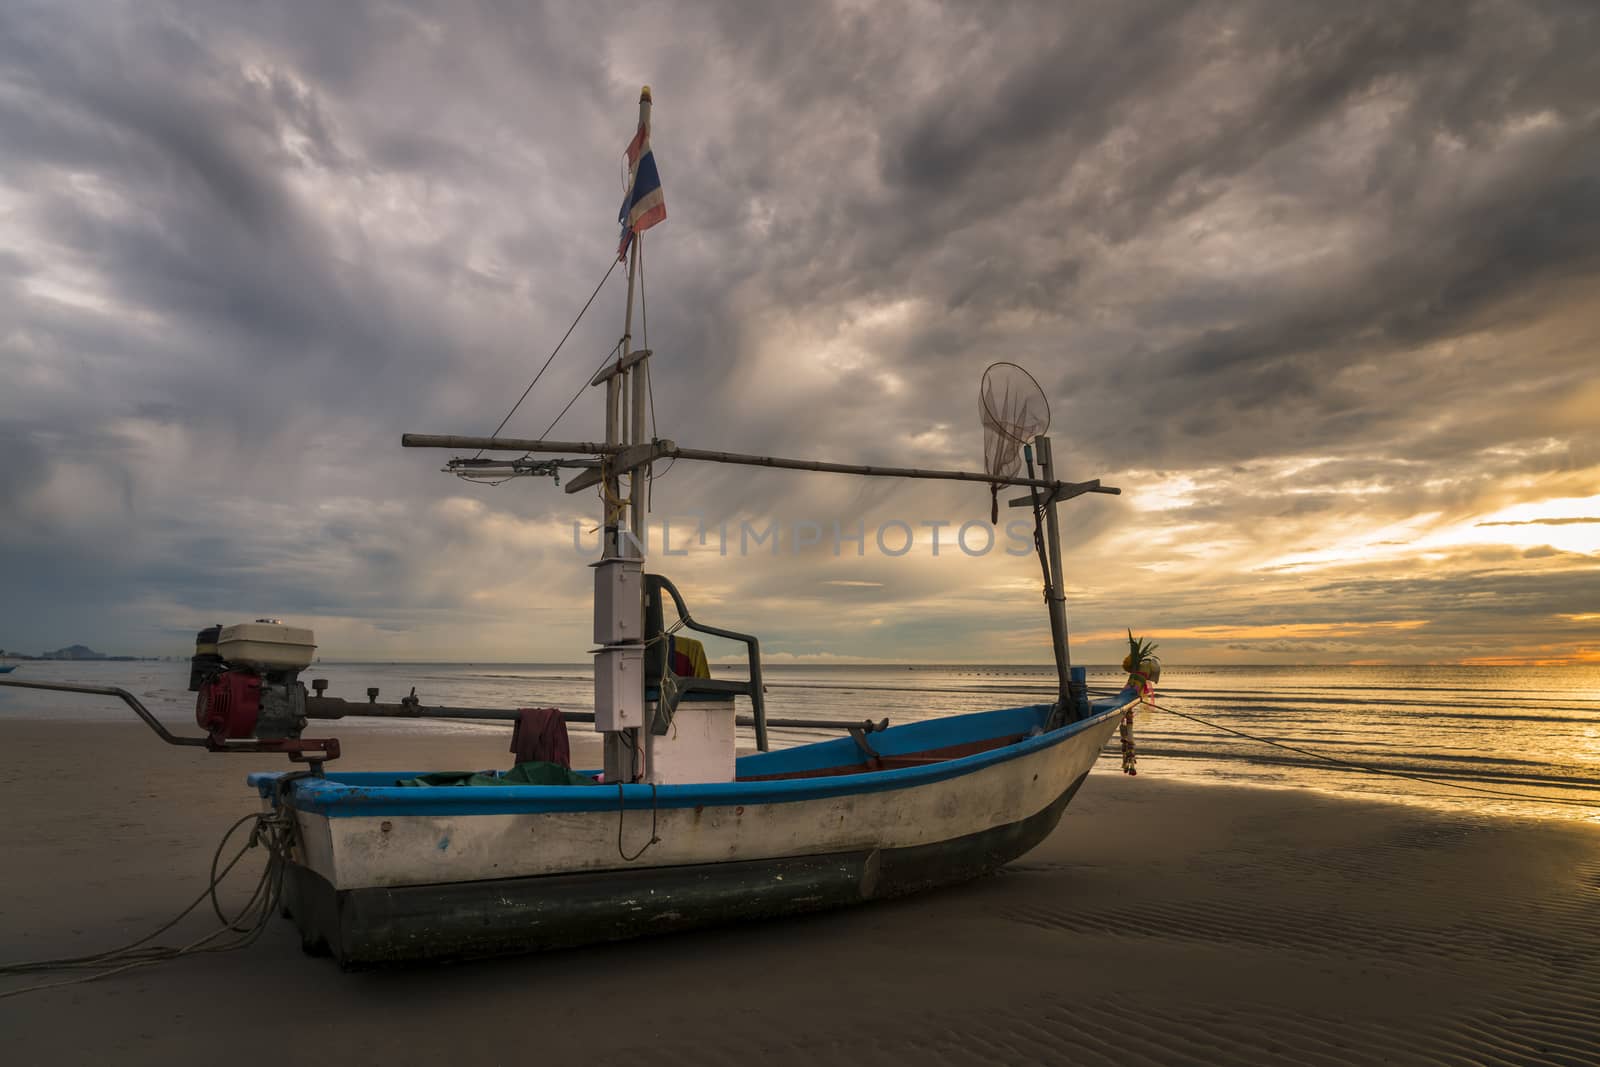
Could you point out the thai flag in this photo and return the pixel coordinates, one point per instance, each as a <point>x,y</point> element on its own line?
<point>644,205</point>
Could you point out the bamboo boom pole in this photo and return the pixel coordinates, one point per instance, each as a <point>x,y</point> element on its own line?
<point>339,708</point>
<point>509,444</point>
<point>506,444</point>
<point>874,471</point>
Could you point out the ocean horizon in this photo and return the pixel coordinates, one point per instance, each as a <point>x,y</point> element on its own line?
<point>1531,731</point>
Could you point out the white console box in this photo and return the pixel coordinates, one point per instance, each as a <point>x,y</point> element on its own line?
<point>699,746</point>
<point>619,688</point>
<point>618,601</point>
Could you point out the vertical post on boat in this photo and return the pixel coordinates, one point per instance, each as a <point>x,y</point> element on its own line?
<point>639,383</point>
<point>1055,596</point>
<point>609,541</point>
<point>637,375</point>
<point>625,379</point>
<point>619,604</point>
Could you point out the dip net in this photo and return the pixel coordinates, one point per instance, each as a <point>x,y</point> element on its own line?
<point>1014,412</point>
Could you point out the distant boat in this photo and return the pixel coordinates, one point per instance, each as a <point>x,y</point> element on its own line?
<point>7,668</point>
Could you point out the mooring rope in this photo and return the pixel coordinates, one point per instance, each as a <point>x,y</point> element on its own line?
<point>273,831</point>
<point>1369,768</point>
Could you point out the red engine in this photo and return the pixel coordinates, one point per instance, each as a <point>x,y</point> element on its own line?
<point>248,695</point>
<point>229,704</point>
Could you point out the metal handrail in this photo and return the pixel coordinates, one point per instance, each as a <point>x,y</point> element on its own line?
<point>756,690</point>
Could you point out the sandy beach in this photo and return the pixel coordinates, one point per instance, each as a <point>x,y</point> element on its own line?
<point>1160,923</point>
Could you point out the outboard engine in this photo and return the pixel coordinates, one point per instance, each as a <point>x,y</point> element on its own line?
<point>248,680</point>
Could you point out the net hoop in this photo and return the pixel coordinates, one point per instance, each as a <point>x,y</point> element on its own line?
<point>1014,411</point>
<point>996,421</point>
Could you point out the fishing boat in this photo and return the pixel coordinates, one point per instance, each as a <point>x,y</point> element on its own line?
<point>389,873</point>
<point>676,829</point>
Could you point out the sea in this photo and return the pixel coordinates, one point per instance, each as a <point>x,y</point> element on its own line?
<point>1521,741</point>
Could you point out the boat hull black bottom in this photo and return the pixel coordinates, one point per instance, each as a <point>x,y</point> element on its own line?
<point>368,927</point>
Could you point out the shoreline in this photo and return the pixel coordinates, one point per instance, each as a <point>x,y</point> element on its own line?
<point>1162,921</point>
<point>1446,799</point>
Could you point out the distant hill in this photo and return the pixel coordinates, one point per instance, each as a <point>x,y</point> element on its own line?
<point>75,652</point>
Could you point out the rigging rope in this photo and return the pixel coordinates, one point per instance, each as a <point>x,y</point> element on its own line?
<point>1366,766</point>
<point>604,278</point>
<point>581,388</point>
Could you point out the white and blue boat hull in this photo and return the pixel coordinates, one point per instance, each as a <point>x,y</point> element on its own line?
<point>384,873</point>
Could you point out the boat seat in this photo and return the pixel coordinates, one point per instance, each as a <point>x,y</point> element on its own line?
<point>667,689</point>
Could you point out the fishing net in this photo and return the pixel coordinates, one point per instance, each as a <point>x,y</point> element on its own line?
<point>1014,412</point>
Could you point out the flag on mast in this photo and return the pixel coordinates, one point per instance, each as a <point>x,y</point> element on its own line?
<point>643,205</point>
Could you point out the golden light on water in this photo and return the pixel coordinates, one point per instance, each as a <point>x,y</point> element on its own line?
<point>1269,631</point>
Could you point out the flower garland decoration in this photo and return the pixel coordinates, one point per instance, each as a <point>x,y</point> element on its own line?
<point>1144,669</point>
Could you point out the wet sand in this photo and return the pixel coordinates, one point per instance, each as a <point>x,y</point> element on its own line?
<point>1161,923</point>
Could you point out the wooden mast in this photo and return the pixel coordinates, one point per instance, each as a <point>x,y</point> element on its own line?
<point>1055,594</point>
<point>638,386</point>
<point>637,374</point>
<point>619,614</point>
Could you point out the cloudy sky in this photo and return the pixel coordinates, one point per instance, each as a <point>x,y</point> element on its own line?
<point>1314,284</point>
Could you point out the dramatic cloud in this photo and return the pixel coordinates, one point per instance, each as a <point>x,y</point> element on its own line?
<point>1312,284</point>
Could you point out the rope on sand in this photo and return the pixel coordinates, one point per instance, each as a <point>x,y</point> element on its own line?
<point>272,831</point>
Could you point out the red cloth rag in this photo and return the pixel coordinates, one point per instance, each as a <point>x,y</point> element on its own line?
<point>540,734</point>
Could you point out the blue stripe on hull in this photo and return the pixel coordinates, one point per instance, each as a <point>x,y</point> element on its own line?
<point>369,794</point>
